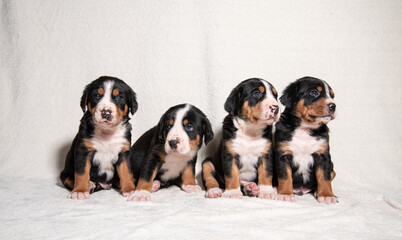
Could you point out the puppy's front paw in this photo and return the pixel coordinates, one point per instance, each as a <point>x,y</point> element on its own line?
<point>78,195</point>
<point>191,188</point>
<point>213,193</point>
<point>267,192</point>
<point>327,200</point>
<point>286,198</point>
<point>126,194</point>
<point>140,196</point>
<point>234,193</point>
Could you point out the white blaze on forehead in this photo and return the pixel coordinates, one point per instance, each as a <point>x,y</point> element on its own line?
<point>327,91</point>
<point>106,99</point>
<point>177,132</point>
<point>268,89</point>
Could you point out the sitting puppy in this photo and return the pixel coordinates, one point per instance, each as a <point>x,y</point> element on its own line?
<point>244,156</point>
<point>167,153</point>
<point>102,145</point>
<point>302,156</point>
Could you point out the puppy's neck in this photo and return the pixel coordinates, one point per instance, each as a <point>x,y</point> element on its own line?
<point>106,132</point>
<point>254,130</point>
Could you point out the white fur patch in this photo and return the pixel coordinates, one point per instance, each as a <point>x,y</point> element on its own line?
<point>249,145</point>
<point>139,196</point>
<point>233,193</point>
<point>106,103</point>
<point>302,146</point>
<point>266,114</point>
<point>108,147</point>
<point>175,164</point>
<point>178,133</point>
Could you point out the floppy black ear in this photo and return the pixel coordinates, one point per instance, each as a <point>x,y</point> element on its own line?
<point>132,101</point>
<point>207,127</point>
<point>232,102</point>
<point>159,130</point>
<point>84,99</point>
<point>289,95</point>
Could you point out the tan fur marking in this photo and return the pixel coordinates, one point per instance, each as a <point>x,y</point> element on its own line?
<point>144,185</point>
<point>69,182</point>
<point>274,91</point>
<point>285,148</point>
<point>91,109</point>
<point>88,144</point>
<point>81,181</point>
<point>323,149</point>
<point>285,187</point>
<point>233,182</point>
<point>262,175</point>
<point>309,112</point>
<point>194,143</point>
<point>115,93</point>
<point>229,146</point>
<point>188,175</point>
<point>162,156</point>
<point>171,122</point>
<point>261,89</point>
<point>324,188</point>
<point>185,122</point>
<point>332,93</point>
<point>125,147</point>
<point>126,177</point>
<point>319,88</point>
<point>120,114</point>
<point>101,91</point>
<point>210,181</point>
<point>252,114</point>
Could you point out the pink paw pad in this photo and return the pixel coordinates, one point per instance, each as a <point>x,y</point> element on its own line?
<point>156,185</point>
<point>251,189</point>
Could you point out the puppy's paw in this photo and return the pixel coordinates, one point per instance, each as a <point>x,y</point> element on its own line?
<point>156,185</point>
<point>140,196</point>
<point>78,195</point>
<point>126,194</point>
<point>191,188</point>
<point>286,198</point>
<point>327,200</point>
<point>213,193</point>
<point>267,192</point>
<point>233,193</point>
<point>251,189</point>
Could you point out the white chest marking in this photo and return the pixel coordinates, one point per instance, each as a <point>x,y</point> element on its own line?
<point>249,150</point>
<point>108,148</point>
<point>174,164</point>
<point>302,146</point>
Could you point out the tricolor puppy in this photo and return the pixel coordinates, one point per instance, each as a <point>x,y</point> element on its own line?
<point>244,157</point>
<point>102,146</point>
<point>302,156</point>
<point>167,153</point>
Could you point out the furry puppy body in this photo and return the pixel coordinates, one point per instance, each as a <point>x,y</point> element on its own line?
<point>167,153</point>
<point>100,152</point>
<point>244,157</point>
<point>302,157</point>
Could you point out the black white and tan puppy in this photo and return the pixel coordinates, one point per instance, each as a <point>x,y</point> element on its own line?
<point>167,153</point>
<point>244,157</point>
<point>302,156</point>
<point>100,152</point>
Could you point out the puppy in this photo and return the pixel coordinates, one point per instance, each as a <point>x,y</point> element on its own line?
<point>302,156</point>
<point>167,153</point>
<point>102,145</point>
<point>244,157</point>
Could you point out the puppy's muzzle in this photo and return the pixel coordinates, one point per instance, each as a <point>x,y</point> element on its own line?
<point>274,109</point>
<point>173,144</point>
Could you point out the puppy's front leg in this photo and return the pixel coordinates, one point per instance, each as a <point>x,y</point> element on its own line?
<point>188,178</point>
<point>126,176</point>
<point>285,180</point>
<point>325,174</point>
<point>147,175</point>
<point>81,178</point>
<point>232,182</point>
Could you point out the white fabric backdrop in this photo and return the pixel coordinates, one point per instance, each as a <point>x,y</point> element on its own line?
<point>173,52</point>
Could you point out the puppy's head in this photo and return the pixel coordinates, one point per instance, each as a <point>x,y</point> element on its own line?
<point>109,100</point>
<point>254,100</point>
<point>310,99</point>
<point>182,129</point>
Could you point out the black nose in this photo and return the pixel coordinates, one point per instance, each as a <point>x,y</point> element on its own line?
<point>332,107</point>
<point>106,113</point>
<point>274,109</point>
<point>173,144</point>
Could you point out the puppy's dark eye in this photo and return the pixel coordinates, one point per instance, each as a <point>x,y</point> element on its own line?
<point>189,127</point>
<point>314,93</point>
<point>96,96</point>
<point>257,94</point>
<point>168,127</point>
<point>119,98</point>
